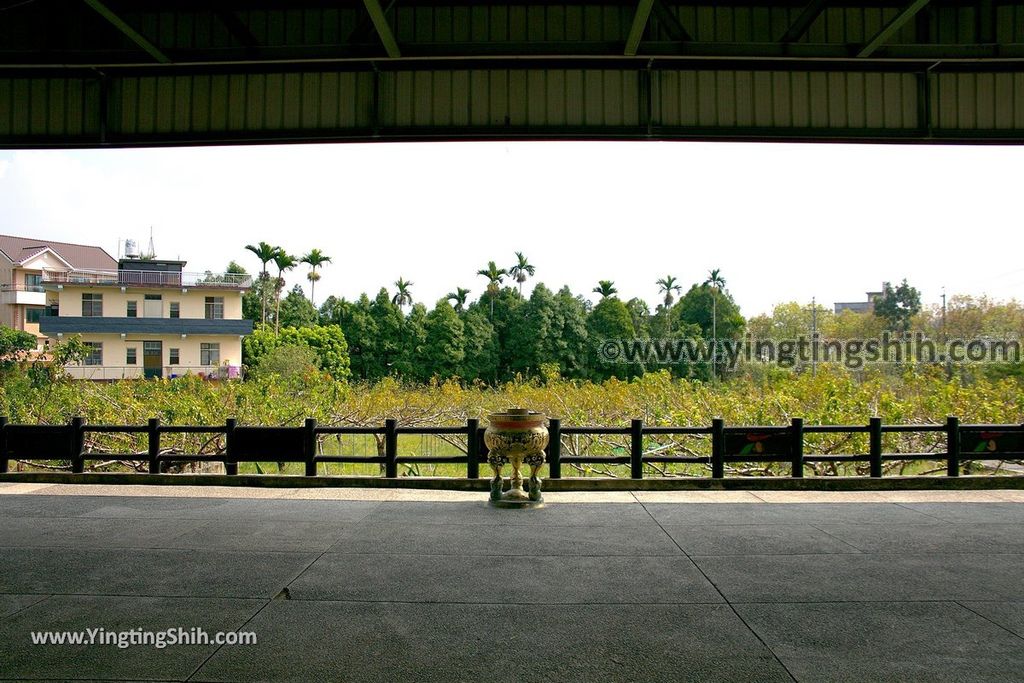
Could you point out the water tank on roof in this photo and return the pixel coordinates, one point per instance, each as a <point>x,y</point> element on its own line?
<point>131,249</point>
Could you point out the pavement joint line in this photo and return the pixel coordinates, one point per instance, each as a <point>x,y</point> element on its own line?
<point>843,541</point>
<point>988,619</point>
<point>40,601</point>
<point>239,628</point>
<point>906,506</point>
<point>719,591</point>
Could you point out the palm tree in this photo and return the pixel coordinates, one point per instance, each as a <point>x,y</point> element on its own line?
<point>265,253</point>
<point>315,258</point>
<point>667,285</point>
<point>403,296</point>
<point>605,288</point>
<point>459,296</point>
<point>495,276</point>
<point>521,270</point>
<point>284,262</point>
<point>716,282</point>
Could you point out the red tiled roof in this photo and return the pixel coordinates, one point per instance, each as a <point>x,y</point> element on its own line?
<point>80,256</point>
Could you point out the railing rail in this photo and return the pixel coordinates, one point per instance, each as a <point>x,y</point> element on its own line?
<point>155,278</point>
<point>299,444</point>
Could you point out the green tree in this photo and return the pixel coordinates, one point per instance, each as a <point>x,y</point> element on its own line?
<point>329,344</point>
<point>573,342</point>
<point>412,344</point>
<point>315,259</point>
<point>495,276</point>
<point>287,361</point>
<point>326,341</point>
<point>390,324</point>
<point>443,349</point>
<point>459,296</point>
<point>669,286</point>
<point>521,270</point>
<point>898,305</point>
<point>265,253</point>
<point>605,288</point>
<point>641,315</point>
<point>480,347</point>
<point>357,322</point>
<point>284,262</point>
<point>610,323</point>
<point>403,295</point>
<point>296,310</point>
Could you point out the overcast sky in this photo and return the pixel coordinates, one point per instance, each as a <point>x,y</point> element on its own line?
<point>782,222</point>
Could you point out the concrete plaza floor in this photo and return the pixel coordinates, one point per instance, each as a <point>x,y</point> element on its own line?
<point>391,585</point>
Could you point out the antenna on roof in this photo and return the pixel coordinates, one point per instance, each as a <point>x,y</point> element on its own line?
<point>152,249</point>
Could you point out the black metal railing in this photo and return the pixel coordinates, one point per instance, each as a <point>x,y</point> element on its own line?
<point>774,444</point>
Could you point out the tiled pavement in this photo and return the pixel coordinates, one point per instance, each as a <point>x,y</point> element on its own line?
<point>393,586</point>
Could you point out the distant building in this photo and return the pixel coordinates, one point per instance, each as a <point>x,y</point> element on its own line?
<point>149,318</point>
<point>23,260</point>
<point>858,306</point>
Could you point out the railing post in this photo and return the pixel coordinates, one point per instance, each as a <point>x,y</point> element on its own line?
<point>953,446</point>
<point>796,428</point>
<point>230,464</point>
<point>153,431</point>
<point>309,446</point>
<point>636,449</point>
<point>391,448</point>
<point>77,445</point>
<point>718,448</point>
<point>875,445</point>
<point>472,448</point>
<point>554,449</point>
<point>3,445</point>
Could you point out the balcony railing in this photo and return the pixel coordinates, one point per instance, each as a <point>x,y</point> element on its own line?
<point>22,288</point>
<point>117,372</point>
<point>152,278</point>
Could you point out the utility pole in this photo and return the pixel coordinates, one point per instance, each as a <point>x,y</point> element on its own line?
<point>943,315</point>
<point>814,336</point>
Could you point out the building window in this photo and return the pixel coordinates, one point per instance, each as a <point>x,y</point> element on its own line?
<point>33,283</point>
<point>92,305</point>
<point>209,354</point>
<point>33,314</point>
<point>214,308</point>
<point>175,357</point>
<point>94,353</point>
<point>133,309</point>
<point>175,310</point>
<point>131,355</point>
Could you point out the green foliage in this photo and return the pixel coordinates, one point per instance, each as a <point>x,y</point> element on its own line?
<point>708,307</point>
<point>287,361</point>
<point>897,306</point>
<point>326,341</point>
<point>297,310</point>
<point>14,345</point>
<point>610,320</point>
<point>443,350</point>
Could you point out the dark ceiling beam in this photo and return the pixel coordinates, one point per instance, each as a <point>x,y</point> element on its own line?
<point>890,29</point>
<point>380,22</point>
<point>804,21</point>
<point>636,31</point>
<point>670,22</point>
<point>128,31</point>
<point>238,30</point>
<point>364,30</point>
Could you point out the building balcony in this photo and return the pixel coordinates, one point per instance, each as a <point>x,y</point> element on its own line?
<point>26,295</point>
<point>147,278</point>
<point>53,326</point>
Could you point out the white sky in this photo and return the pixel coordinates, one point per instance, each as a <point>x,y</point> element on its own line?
<point>782,222</point>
